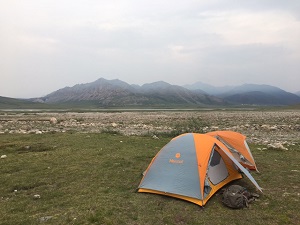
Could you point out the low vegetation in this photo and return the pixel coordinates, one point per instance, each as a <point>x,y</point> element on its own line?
<point>91,178</point>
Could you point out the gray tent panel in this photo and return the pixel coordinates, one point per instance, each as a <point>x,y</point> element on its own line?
<point>174,169</point>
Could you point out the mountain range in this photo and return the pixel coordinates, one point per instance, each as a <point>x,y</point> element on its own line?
<point>104,93</point>
<point>107,93</point>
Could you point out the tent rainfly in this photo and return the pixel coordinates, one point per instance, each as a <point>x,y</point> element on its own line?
<point>237,144</point>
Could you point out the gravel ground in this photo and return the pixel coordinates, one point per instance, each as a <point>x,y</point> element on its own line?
<point>264,127</point>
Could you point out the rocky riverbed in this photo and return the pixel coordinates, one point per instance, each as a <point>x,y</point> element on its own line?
<point>272,128</point>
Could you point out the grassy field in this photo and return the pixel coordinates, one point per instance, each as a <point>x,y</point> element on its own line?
<point>77,178</point>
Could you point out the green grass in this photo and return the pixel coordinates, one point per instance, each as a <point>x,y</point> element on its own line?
<point>92,179</point>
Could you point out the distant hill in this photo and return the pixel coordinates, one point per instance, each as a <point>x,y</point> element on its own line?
<point>107,93</point>
<point>12,103</point>
<point>177,94</point>
<point>249,94</point>
<point>255,94</point>
<point>102,91</point>
<point>297,93</point>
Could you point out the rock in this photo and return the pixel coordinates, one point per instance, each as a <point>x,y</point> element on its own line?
<point>276,146</point>
<point>21,131</point>
<point>205,129</point>
<point>155,137</point>
<point>53,120</point>
<point>36,196</point>
<point>265,126</point>
<point>3,156</point>
<point>45,218</point>
<point>114,125</point>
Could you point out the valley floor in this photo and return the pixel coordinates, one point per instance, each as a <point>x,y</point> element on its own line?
<point>259,126</point>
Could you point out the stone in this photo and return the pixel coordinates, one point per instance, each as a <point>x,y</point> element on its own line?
<point>155,137</point>
<point>53,120</point>
<point>36,196</point>
<point>265,126</point>
<point>276,146</point>
<point>45,218</point>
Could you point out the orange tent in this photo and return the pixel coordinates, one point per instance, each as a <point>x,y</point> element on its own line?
<point>236,143</point>
<point>192,167</point>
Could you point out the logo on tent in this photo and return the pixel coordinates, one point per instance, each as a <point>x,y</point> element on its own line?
<point>177,160</point>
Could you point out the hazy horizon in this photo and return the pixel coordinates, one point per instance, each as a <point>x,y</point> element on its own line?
<point>48,45</point>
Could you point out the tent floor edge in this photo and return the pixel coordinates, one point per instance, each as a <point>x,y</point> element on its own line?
<point>185,198</point>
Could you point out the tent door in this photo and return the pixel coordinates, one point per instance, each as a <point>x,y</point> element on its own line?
<point>217,171</point>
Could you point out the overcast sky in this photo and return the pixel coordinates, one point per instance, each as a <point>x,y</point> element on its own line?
<point>46,45</point>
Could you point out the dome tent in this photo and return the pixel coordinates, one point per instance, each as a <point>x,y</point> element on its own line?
<point>192,167</point>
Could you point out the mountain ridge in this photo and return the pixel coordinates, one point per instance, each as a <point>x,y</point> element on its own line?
<point>208,88</point>
<point>117,93</point>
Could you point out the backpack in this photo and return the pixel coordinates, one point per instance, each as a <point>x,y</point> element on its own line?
<point>237,197</point>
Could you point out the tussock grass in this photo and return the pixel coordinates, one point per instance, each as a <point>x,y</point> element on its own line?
<point>76,178</point>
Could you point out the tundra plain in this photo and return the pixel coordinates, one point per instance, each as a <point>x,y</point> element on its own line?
<point>84,167</point>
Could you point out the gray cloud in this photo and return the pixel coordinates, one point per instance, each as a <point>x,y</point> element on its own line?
<point>47,45</point>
